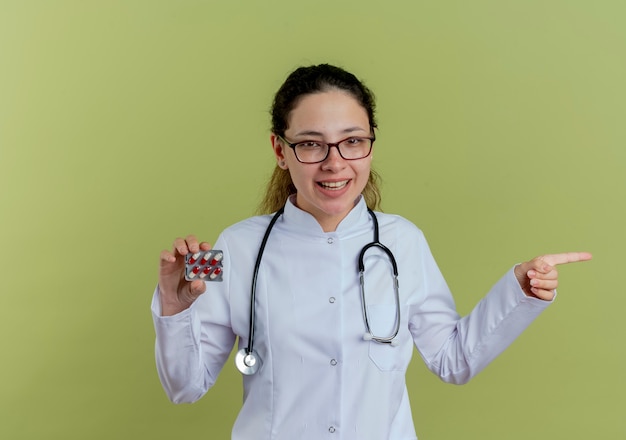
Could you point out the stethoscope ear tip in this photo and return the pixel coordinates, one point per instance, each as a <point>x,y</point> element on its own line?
<point>367,336</point>
<point>394,342</point>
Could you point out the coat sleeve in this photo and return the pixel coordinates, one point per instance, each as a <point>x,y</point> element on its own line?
<point>192,346</point>
<point>457,348</point>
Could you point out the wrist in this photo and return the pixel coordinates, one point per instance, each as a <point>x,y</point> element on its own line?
<point>170,303</point>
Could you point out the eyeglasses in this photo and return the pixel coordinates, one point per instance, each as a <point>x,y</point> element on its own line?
<point>352,148</point>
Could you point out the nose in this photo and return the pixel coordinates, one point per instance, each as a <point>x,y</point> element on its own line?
<point>334,159</point>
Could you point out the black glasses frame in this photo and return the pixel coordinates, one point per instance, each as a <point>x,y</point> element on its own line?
<point>329,145</point>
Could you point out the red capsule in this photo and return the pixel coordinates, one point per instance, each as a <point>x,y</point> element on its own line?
<point>218,257</point>
<point>205,272</point>
<point>215,273</point>
<point>194,272</point>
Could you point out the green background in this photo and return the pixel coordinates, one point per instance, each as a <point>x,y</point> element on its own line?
<point>124,124</point>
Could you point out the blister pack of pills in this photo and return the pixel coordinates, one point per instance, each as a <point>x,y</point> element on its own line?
<point>204,265</point>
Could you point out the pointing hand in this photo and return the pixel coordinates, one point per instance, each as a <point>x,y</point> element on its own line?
<point>539,277</point>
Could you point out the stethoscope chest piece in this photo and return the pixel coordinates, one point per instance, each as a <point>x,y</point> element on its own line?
<point>247,362</point>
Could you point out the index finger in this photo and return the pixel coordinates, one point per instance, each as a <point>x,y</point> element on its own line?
<point>566,257</point>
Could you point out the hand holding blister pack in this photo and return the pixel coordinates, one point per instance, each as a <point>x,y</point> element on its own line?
<point>204,265</point>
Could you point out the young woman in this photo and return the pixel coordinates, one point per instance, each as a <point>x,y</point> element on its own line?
<point>326,330</point>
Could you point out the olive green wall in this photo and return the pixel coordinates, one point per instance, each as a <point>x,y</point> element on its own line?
<point>124,124</point>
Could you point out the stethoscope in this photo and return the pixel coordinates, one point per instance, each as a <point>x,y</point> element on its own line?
<point>247,359</point>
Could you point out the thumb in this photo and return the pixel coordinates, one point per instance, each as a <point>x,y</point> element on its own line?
<point>541,265</point>
<point>195,289</point>
<point>537,264</point>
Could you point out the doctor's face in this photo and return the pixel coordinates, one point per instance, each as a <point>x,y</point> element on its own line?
<point>329,189</point>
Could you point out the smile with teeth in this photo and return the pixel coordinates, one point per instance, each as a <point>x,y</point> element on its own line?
<point>333,185</point>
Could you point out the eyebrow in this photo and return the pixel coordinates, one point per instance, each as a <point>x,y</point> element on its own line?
<point>317,133</point>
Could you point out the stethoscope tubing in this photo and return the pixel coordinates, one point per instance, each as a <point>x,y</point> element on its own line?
<point>257,265</point>
<point>396,289</point>
<point>248,361</point>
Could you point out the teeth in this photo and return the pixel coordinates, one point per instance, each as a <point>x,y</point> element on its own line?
<point>334,185</point>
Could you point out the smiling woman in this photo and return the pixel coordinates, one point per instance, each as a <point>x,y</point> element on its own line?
<point>306,329</point>
<point>329,187</point>
<point>306,82</point>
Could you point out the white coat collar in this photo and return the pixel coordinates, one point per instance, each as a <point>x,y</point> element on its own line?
<point>302,222</point>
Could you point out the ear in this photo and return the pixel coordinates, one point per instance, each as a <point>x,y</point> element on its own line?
<point>279,151</point>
